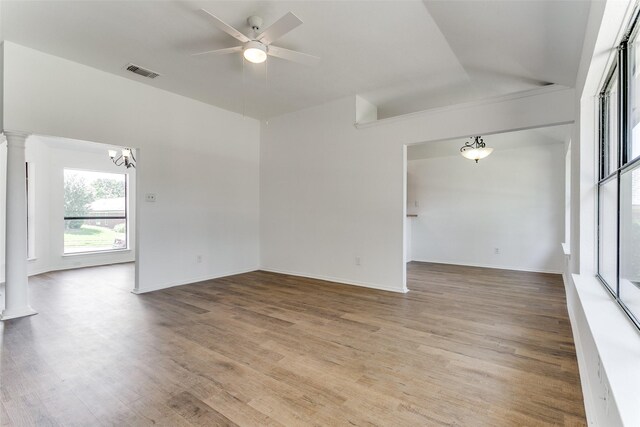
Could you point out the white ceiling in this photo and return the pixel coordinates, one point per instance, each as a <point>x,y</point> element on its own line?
<point>403,56</point>
<point>503,141</point>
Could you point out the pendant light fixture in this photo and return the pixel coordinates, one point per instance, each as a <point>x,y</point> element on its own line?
<point>475,149</point>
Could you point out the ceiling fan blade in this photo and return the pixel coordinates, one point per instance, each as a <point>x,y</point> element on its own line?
<point>220,51</point>
<point>279,28</point>
<point>292,55</point>
<point>227,28</point>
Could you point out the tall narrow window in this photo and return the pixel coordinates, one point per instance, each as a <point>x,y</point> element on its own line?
<point>612,99</point>
<point>95,211</point>
<point>608,233</point>
<point>630,240</point>
<point>634,95</point>
<point>608,185</point>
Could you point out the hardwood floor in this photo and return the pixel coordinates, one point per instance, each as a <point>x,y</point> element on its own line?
<point>466,347</point>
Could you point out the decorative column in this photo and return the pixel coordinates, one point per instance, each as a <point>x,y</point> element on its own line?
<point>16,278</point>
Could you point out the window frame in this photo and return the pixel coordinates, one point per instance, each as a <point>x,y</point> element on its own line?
<point>80,218</point>
<point>620,69</point>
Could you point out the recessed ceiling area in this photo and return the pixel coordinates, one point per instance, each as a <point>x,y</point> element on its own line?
<point>503,141</point>
<point>403,56</point>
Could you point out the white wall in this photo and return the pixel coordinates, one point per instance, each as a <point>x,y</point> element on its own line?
<point>408,244</point>
<point>201,161</point>
<point>332,191</point>
<point>3,209</point>
<point>513,201</point>
<point>322,194</point>
<point>567,195</point>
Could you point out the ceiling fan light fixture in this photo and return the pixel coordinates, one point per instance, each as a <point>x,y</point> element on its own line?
<point>257,48</point>
<point>255,52</point>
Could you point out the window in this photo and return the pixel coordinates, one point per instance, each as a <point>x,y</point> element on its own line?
<point>608,233</point>
<point>619,182</point>
<point>630,240</point>
<point>95,211</point>
<point>610,104</point>
<point>634,94</point>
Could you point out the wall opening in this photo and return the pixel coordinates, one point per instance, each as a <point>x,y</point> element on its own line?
<point>81,206</point>
<point>507,211</point>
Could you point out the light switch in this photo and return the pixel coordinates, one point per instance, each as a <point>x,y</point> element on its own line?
<point>150,197</point>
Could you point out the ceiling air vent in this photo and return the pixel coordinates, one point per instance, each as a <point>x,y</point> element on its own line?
<point>142,71</point>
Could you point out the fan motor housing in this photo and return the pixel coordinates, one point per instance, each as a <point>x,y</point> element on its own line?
<point>255,22</point>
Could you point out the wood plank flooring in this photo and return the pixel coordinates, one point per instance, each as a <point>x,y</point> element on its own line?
<point>466,347</point>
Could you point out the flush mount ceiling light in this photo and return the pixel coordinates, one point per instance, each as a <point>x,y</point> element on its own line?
<point>126,158</point>
<point>255,52</point>
<point>475,149</point>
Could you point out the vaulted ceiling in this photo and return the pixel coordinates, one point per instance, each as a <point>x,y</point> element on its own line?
<point>403,56</point>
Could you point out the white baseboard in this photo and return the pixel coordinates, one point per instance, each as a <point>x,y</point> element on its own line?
<point>494,266</point>
<point>337,280</point>
<point>41,270</point>
<point>15,314</point>
<point>50,269</point>
<point>191,281</point>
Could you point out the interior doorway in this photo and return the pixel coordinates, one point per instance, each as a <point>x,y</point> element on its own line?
<point>506,211</point>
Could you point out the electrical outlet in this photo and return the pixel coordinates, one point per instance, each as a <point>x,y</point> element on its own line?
<point>416,204</point>
<point>496,251</point>
<point>150,197</point>
<point>358,261</point>
<point>199,259</point>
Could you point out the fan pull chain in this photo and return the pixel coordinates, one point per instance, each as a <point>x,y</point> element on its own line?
<point>266,81</point>
<point>266,75</point>
<point>243,90</point>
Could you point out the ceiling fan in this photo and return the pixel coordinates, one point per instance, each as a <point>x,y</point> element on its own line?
<point>257,48</point>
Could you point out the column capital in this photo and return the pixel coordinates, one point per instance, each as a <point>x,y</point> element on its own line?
<point>16,138</point>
